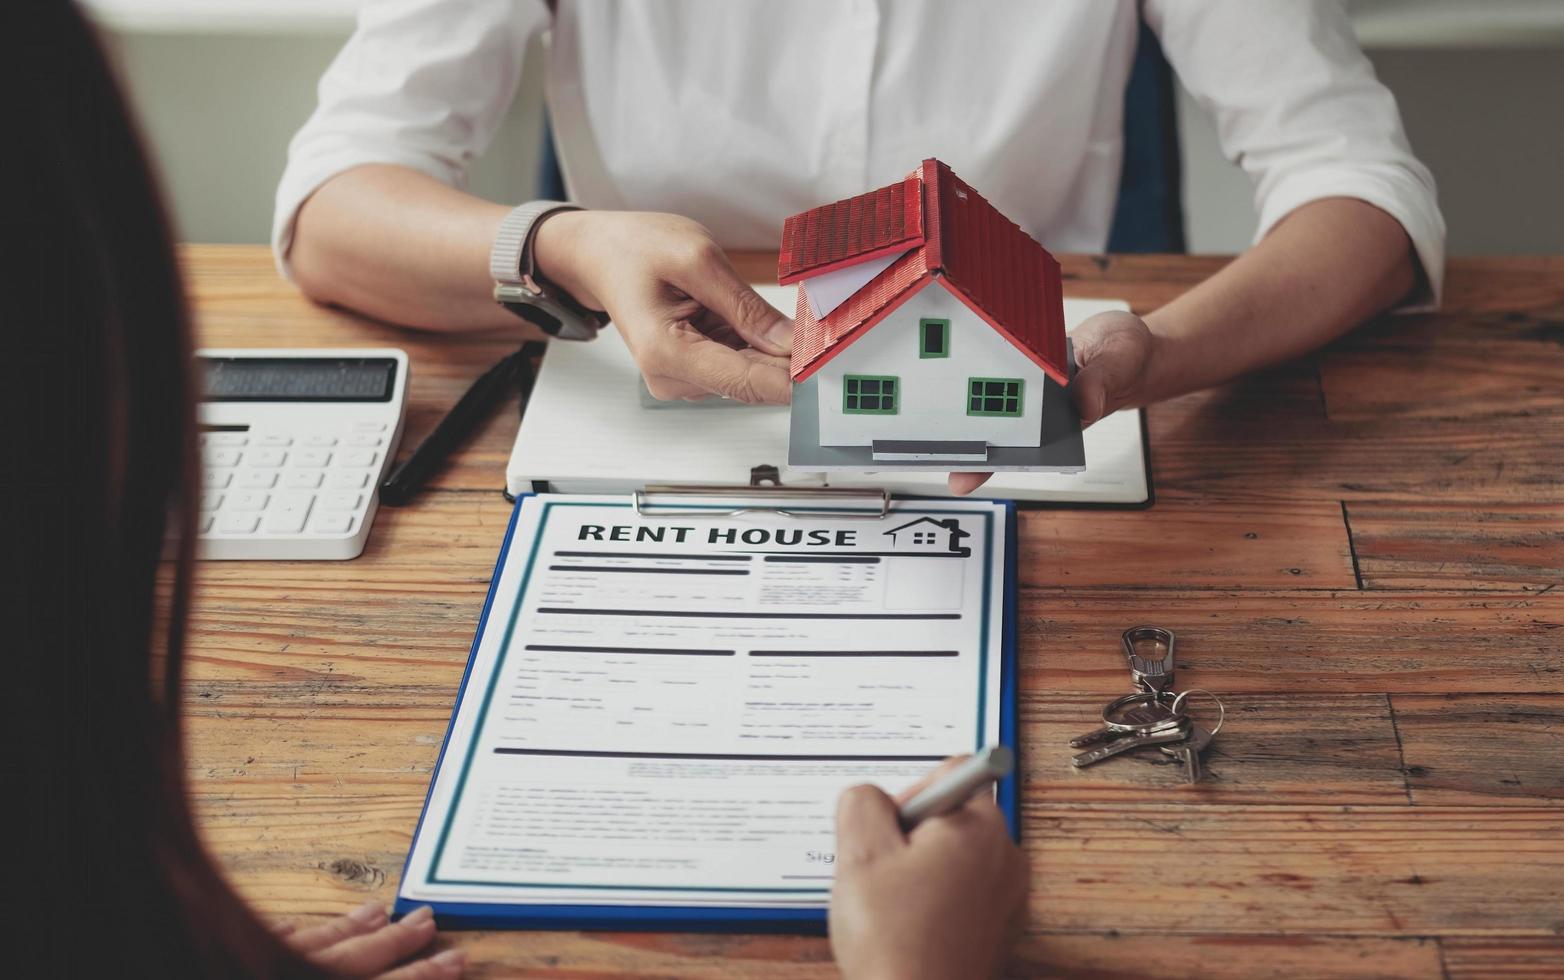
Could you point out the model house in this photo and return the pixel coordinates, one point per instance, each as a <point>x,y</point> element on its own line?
<point>927,322</point>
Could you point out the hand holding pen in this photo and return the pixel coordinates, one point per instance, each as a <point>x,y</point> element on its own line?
<point>939,900</point>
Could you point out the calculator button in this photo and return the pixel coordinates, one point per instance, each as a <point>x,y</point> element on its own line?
<point>284,523</point>
<point>288,513</point>
<point>211,501</point>
<point>360,457</point>
<point>206,522</point>
<point>216,479</point>
<point>344,500</point>
<point>347,479</point>
<point>222,457</point>
<point>332,523</point>
<point>363,439</point>
<point>224,439</point>
<point>292,503</point>
<point>319,440</point>
<point>238,523</point>
<point>302,479</point>
<point>247,500</point>
<point>257,479</point>
<point>311,457</point>
<point>268,457</point>
<point>273,441</point>
<point>369,426</point>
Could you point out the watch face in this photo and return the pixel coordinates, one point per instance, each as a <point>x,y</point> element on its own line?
<point>538,317</point>
<point>548,313</point>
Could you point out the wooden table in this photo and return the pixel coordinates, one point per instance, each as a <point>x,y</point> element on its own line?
<point>1361,551</point>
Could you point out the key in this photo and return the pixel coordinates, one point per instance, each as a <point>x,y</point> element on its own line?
<point>1188,751</point>
<point>319,440</point>
<point>221,457</point>
<point>270,458</point>
<point>257,480</point>
<point>1129,743</point>
<point>363,439</point>
<point>311,458</point>
<point>1199,737</point>
<point>1159,715</point>
<point>303,479</point>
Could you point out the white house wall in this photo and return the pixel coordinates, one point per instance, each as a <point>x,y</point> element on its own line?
<point>933,391</point>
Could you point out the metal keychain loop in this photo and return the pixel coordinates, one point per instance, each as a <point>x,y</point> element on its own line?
<point>1173,720</point>
<point>1150,675</point>
<point>1177,707</point>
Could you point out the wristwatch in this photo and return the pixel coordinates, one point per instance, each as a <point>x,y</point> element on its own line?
<point>517,286</point>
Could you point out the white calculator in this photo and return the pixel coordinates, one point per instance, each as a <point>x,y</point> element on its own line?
<point>294,445</point>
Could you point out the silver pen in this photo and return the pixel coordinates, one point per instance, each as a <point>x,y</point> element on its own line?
<point>958,786</point>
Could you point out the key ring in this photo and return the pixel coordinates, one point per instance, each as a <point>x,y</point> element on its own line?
<point>1172,721</point>
<point>1177,707</point>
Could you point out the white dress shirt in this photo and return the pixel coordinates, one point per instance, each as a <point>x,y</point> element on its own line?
<point>740,113</point>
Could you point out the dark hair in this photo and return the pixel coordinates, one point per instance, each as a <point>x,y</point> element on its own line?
<point>97,393</point>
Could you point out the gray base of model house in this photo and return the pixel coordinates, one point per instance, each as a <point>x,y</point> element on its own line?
<point>1060,449</point>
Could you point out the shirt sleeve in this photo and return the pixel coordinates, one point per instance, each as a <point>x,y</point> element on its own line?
<point>421,83</point>
<point>1298,107</point>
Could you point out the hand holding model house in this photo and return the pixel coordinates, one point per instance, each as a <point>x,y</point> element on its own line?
<point>976,346</point>
<point>929,334</point>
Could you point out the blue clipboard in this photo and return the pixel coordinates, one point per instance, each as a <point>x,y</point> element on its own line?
<point>658,918</point>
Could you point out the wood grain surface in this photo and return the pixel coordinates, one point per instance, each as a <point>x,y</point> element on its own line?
<point>1361,551</point>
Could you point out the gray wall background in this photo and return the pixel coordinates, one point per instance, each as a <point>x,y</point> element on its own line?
<point>1488,123</point>
<point>219,106</point>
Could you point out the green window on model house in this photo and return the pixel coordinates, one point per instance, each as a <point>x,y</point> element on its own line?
<point>994,396</point>
<point>869,394</point>
<point>933,337</point>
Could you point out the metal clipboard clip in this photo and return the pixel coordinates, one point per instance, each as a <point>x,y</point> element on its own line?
<point>878,501</point>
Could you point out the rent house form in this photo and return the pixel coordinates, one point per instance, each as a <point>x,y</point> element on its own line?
<point>927,319</point>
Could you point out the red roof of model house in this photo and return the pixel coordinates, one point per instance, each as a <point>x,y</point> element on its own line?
<point>947,231</point>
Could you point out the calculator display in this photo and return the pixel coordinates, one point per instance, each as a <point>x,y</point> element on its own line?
<point>297,379</point>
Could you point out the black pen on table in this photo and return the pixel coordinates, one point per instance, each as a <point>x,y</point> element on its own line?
<point>474,406</point>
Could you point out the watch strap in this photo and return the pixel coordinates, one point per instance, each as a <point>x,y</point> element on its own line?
<point>519,288</point>
<point>510,258</point>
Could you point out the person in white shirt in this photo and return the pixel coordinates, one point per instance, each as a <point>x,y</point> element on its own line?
<point>686,127</point>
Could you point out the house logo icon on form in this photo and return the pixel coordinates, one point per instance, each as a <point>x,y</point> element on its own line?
<point>930,537</point>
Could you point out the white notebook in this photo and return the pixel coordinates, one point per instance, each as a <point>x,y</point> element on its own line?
<point>586,430</point>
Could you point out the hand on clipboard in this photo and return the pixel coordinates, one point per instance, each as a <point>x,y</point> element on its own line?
<point>940,900</point>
